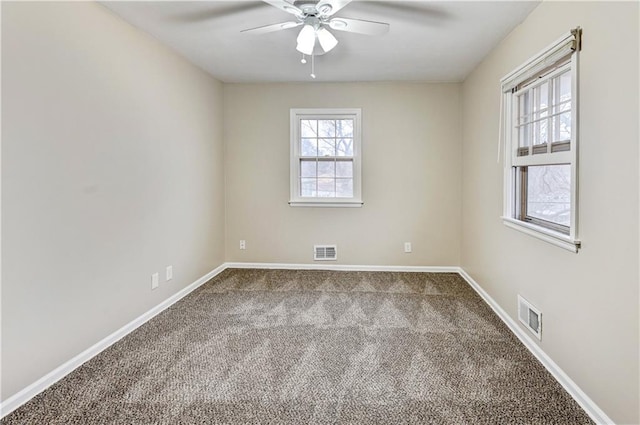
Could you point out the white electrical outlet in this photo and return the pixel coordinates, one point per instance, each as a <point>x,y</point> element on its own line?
<point>243,244</point>
<point>155,281</point>
<point>407,247</point>
<point>169,272</point>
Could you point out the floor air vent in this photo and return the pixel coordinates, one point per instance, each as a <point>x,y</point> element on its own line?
<point>530,316</point>
<point>325,252</point>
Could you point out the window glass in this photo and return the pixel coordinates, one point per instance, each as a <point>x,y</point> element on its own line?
<point>344,188</point>
<point>344,147</point>
<point>309,128</point>
<point>327,140</point>
<point>549,193</point>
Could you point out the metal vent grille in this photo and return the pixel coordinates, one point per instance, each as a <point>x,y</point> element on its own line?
<point>530,316</point>
<point>325,252</point>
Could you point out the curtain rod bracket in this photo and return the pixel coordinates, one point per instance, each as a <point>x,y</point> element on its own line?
<point>577,34</point>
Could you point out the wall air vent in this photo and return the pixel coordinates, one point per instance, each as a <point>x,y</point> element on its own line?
<point>530,316</point>
<point>325,252</point>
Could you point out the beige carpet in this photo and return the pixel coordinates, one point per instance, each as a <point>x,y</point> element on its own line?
<point>297,347</point>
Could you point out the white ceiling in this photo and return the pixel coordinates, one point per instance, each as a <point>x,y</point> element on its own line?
<point>427,41</point>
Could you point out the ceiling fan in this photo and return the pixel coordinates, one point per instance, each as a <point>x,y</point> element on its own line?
<point>315,16</point>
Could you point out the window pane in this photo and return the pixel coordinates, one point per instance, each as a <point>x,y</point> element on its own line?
<point>524,121</point>
<point>564,83</point>
<point>562,92</point>
<point>561,124</point>
<point>327,128</point>
<point>344,169</point>
<point>326,147</point>
<point>309,128</point>
<point>308,168</point>
<point>563,107</point>
<point>549,193</point>
<point>523,112</point>
<point>344,188</point>
<point>542,97</point>
<point>326,188</point>
<point>562,127</point>
<point>309,147</point>
<point>565,126</point>
<point>344,147</point>
<point>308,187</point>
<point>326,169</point>
<point>540,132</point>
<point>524,136</point>
<point>344,128</point>
<point>541,111</point>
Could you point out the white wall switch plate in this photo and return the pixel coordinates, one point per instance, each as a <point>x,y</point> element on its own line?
<point>243,244</point>
<point>407,247</point>
<point>169,273</point>
<point>155,281</point>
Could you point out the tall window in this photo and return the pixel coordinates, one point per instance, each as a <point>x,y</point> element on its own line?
<point>325,157</point>
<point>540,100</point>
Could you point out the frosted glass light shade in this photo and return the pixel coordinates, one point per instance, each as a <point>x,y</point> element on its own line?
<point>306,40</point>
<point>326,39</point>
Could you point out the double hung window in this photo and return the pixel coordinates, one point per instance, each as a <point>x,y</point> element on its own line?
<point>540,105</point>
<point>325,157</point>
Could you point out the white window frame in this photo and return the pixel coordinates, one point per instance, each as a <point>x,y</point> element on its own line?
<point>296,116</point>
<point>537,67</point>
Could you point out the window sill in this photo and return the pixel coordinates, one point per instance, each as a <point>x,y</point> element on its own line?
<point>327,204</point>
<point>554,238</point>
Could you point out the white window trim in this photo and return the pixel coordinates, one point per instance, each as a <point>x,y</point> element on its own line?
<point>298,114</point>
<point>542,60</point>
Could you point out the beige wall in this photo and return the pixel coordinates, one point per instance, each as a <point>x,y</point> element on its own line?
<point>112,163</point>
<point>589,300</point>
<point>411,175</point>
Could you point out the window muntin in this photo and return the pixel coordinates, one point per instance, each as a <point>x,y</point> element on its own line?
<point>325,157</point>
<point>540,104</point>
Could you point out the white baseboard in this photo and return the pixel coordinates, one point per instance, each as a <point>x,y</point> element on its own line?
<point>20,398</point>
<point>54,376</point>
<point>342,267</point>
<point>567,383</point>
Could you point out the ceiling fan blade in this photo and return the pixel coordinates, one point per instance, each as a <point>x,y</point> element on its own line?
<point>273,27</point>
<point>359,26</point>
<point>285,6</point>
<point>218,12</point>
<point>329,7</point>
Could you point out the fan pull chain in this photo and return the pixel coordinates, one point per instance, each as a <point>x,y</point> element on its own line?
<point>303,60</point>
<point>313,66</point>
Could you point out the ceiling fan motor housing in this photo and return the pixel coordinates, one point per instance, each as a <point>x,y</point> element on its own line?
<point>309,7</point>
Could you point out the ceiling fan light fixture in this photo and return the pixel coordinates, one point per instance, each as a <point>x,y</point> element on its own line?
<point>306,40</point>
<point>326,39</point>
<point>316,19</point>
